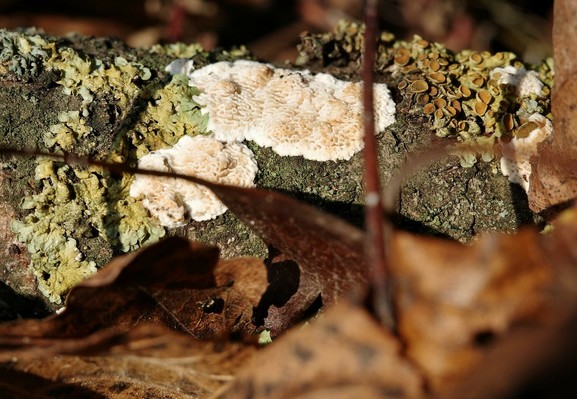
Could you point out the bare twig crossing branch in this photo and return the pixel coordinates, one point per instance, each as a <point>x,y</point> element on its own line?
<point>375,245</point>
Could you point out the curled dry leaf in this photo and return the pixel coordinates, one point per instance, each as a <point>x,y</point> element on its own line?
<point>342,354</point>
<point>174,283</point>
<point>537,361</point>
<point>147,361</point>
<point>554,178</point>
<point>455,301</point>
<point>329,251</point>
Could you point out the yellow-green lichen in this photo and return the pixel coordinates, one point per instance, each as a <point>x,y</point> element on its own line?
<point>88,77</point>
<point>65,134</point>
<point>72,204</point>
<point>463,94</point>
<point>22,55</point>
<point>171,113</point>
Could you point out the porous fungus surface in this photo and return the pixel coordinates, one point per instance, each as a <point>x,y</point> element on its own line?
<point>293,112</point>
<point>296,113</point>
<point>173,201</point>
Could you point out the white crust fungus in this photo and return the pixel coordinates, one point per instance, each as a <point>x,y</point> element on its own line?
<point>516,154</point>
<point>536,128</point>
<point>174,201</point>
<point>526,83</point>
<point>293,112</point>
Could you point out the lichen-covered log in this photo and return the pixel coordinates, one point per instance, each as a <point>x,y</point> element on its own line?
<point>99,98</point>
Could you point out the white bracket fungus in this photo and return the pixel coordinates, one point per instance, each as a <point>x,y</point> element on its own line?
<point>174,201</point>
<point>293,112</point>
<point>516,154</point>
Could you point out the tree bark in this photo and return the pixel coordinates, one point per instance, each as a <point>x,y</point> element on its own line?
<point>442,198</point>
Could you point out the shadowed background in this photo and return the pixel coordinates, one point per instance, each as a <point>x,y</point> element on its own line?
<point>271,28</point>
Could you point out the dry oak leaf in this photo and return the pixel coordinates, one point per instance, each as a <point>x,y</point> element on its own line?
<point>329,251</point>
<point>536,361</point>
<point>454,301</point>
<point>175,283</point>
<point>342,354</point>
<point>148,361</point>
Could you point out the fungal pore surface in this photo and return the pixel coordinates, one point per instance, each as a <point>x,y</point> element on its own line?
<point>174,201</point>
<point>294,112</point>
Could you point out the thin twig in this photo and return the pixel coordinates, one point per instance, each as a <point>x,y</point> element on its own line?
<point>375,245</point>
<point>111,167</point>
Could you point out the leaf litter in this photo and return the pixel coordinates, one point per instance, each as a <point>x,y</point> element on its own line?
<point>453,304</point>
<point>489,320</point>
<point>146,360</point>
<point>176,283</point>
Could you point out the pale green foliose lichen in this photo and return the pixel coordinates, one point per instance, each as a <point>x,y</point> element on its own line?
<point>173,115</point>
<point>75,204</point>
<point>66,133</point>
<point>22,55</point>
<point>86,76</point>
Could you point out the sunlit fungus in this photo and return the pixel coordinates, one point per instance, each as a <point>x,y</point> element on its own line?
<point>174,202</point>
<point>294,112</point>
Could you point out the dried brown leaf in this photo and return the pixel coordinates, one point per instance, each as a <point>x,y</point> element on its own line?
<point>148,361</point>
<point>342,354</point>
<point>455,301</point>
<point>537,361</point>
<point>538,358</point>
<point>328,251</point>
<point>175,283</point>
